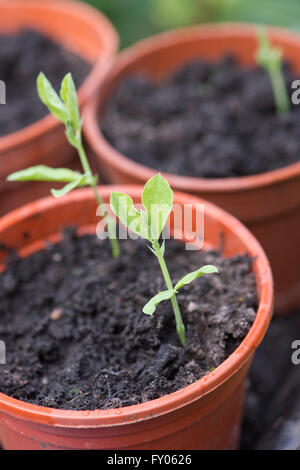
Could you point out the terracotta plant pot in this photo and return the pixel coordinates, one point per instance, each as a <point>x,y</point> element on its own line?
<point>86,32</point>
<point>269,203</point>
<point>204,415</point>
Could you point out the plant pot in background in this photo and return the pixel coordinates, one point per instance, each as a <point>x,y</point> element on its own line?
<point>268,203</point>
<point>203,415</point>
<point>84,31</point>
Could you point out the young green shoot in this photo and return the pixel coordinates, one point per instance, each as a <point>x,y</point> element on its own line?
<point>157,199</point>
<point>65,109</point>
<point>269,58</point>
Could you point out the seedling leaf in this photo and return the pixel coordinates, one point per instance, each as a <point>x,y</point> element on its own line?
<point>150,306</point>
<point>208,269</point>
<point>45,173</point>
<point>157,199</point>
<point>68,187</point>
<point>123,207</point>
<point>50,98</point>
<point>69,96</point>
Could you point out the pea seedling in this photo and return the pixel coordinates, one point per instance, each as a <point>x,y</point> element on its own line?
<point>157,198</point>
<point>65,109</point>
<point>269,57</point>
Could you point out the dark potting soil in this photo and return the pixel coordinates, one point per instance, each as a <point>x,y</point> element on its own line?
<point>212,120</point>
<point>22,57</point>
<point>76,337</point>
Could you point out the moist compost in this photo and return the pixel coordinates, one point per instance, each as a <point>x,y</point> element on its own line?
<point>212,120</point>
<point>76,337</point>
<point>22,57</point>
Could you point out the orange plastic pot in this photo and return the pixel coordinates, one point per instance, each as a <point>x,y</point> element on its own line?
<point>86,32</point>
<point>269,203</point>
<point>204,415</point>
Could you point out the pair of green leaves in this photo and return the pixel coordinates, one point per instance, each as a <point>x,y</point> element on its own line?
<point>64,106</point>
<point>157,198</point>
<point>150,306</point>
<point>65,109</point>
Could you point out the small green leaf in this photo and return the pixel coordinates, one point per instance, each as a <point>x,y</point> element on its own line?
<point>157,199</point>
<point>267,55</point>
<point>45,173</point>
<point>50,98</point>
<point>123,207</point>
<point>72,136</point>
<point>69,96</point>
<point>68,187</point>
<point>150,306</point>
<point>208,269</point>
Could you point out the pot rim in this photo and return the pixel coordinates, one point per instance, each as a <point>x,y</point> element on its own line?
<point>155,44</point>
<point>97,21</point>
<point>188,394</point>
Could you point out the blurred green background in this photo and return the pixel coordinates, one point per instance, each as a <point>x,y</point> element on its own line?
<point>136,19</point>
